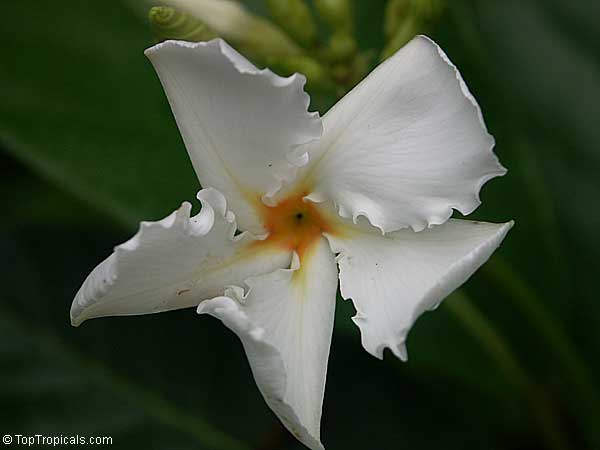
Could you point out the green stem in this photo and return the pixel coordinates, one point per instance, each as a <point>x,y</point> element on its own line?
<point>585,392</point>
<point>586,399</point>
<point>522,295</point>
<point>152,404</point>
<point>542,408</point>
<point>527,162</point>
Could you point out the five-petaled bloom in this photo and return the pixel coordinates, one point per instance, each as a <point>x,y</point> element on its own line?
<point>374,182</point>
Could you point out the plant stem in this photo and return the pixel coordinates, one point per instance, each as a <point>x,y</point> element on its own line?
<point>475,322</point>
<point>152,404</point>
<point>585,398</point>
<point>585,391</point>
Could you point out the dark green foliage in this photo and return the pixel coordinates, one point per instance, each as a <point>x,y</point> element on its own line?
<point>89,148</point>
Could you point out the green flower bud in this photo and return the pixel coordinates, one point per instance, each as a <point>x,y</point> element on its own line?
<point>407,30</point>
<point>396,12</point>
<point>428,10</point>
<point>336,13</point>
<point>361,66</point>
<point>169,23</point>
<point>255,35</point>
<point>295,18</point>
<point>316,75</point>
<point>341,46</point>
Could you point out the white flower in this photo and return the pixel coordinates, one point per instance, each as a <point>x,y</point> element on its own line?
<point>374,182</point>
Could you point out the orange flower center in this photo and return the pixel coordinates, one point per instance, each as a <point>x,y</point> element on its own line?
<point>295,224</point>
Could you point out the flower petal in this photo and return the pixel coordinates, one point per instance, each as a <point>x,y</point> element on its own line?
<point>285,322</point>
<point>175,263</point>
<point>393,279</point>
<point>241,125</point>
<point>405,146</point>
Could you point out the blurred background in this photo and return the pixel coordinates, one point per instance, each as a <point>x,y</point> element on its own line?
<point>88,148</point>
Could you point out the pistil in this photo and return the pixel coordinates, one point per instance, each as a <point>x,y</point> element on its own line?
<point>295,224</point>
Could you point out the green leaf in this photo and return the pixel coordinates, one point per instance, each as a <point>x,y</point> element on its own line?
<point>95,401</point>
<point>82,106</point>
<point>534,68</point>
<point>179,380</point>
<point>104,132</point>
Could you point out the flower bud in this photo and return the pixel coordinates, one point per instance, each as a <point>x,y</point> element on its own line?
<point>428,10</point>
<point>341,46</point>
<point>336,13</point>
<point>396,12</point>
<point>229,19</point>
<point>316,75</point>
<point>361,66</point>
<point>408,29</point>
<point>295,18</point>
<point>169,23</point>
